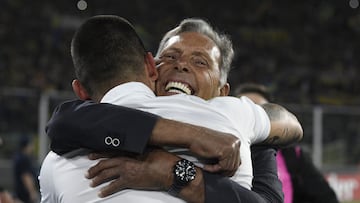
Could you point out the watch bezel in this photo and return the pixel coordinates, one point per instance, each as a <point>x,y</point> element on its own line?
<point>185,171</point>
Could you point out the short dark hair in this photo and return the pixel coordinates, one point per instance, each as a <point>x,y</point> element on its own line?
<point>201,26</point>
<point>254,88</point>
<point>106,51</point>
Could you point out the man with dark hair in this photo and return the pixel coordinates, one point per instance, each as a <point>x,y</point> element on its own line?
<point>201,58</point>
<point>92,43</point>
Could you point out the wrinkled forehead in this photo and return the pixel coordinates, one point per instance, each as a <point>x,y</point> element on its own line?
<point>192,41</point>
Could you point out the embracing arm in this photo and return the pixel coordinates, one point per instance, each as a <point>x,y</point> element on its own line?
<point>285,128</point>
<point>105,127</point>
<point>153,171</point>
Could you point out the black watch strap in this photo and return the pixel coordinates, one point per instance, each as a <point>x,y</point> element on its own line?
<point>184,172</point>
<point>175,189</point>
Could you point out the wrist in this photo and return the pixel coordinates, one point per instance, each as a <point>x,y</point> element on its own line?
<point>195,191</point>
<point>186,182</point>
<point>184,173</point>
<point>161,168</point>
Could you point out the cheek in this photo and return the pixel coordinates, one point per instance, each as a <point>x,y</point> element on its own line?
<point>209,81</point>
<point>162,72</point>
<point>214,78</point>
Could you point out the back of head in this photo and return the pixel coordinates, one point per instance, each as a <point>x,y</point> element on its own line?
<point>222,41</point>
<point>106,51</point>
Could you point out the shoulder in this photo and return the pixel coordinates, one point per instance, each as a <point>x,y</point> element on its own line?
<point>242,102</point>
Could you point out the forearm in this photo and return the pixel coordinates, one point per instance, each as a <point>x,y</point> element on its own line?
<point>195,191</point>
<point>285,128</point>
<point>105,127</point>
<point>174,133</point>
<point>213,188</point>
<point>154,171</point>
<point>207,187</point>
<point>84,124</point>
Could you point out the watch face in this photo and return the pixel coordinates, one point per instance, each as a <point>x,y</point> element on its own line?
<point>185,171</point>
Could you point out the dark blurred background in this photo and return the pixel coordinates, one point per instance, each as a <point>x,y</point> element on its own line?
<point>306,52</point>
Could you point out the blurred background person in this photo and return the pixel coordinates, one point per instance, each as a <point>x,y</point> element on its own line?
<point>302,181</point>
<point>26,172</point>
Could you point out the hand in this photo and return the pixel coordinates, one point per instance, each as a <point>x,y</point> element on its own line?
<point>152,171</point>
<point>223,146</point>
<point>201,141</point>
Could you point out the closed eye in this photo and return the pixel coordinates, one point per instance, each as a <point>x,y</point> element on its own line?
<point>168,57</point>
<point>199,61</point>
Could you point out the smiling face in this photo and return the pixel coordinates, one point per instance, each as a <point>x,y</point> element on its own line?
<point>189,63</point>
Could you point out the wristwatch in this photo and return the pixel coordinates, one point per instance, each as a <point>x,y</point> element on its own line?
<point>184,173</point>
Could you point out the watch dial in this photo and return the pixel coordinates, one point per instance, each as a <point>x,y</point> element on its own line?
<point>185,171</point>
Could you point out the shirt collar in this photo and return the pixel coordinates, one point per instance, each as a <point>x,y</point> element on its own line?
<point>124,90</point>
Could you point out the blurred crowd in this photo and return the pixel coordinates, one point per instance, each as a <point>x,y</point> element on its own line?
<point>304,51</point>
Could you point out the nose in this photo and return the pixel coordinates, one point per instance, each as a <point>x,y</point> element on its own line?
<point>182,66</point>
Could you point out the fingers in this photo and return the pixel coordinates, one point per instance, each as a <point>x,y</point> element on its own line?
<point>212,168</point>
<point>218,169</point>
<point>227,166</point>
<point>105,176</point>
<point>99,167</point>
<point>115,186</point>
<point>228,169</point>
<point>230,163</point>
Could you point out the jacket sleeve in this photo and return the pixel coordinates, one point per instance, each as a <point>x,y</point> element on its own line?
<point>222,189</point>
<point>99,127</point>
<point>266,184</point>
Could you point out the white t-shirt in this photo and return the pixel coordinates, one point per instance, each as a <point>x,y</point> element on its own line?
<point>240,117</point>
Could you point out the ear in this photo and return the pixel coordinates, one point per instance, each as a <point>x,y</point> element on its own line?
<point>79,90</point>
<point>151,70</point>
<point>225,90</point>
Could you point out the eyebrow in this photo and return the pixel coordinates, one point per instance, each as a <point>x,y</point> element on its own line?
<point>195,53</point>
<point>172,49</point>
<point>201,54</point>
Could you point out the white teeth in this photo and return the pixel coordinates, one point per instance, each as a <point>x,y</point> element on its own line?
<point>177,87</point>
<point>175,91</point>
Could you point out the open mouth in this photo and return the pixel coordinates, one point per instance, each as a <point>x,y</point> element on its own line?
<point>179,87</point>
